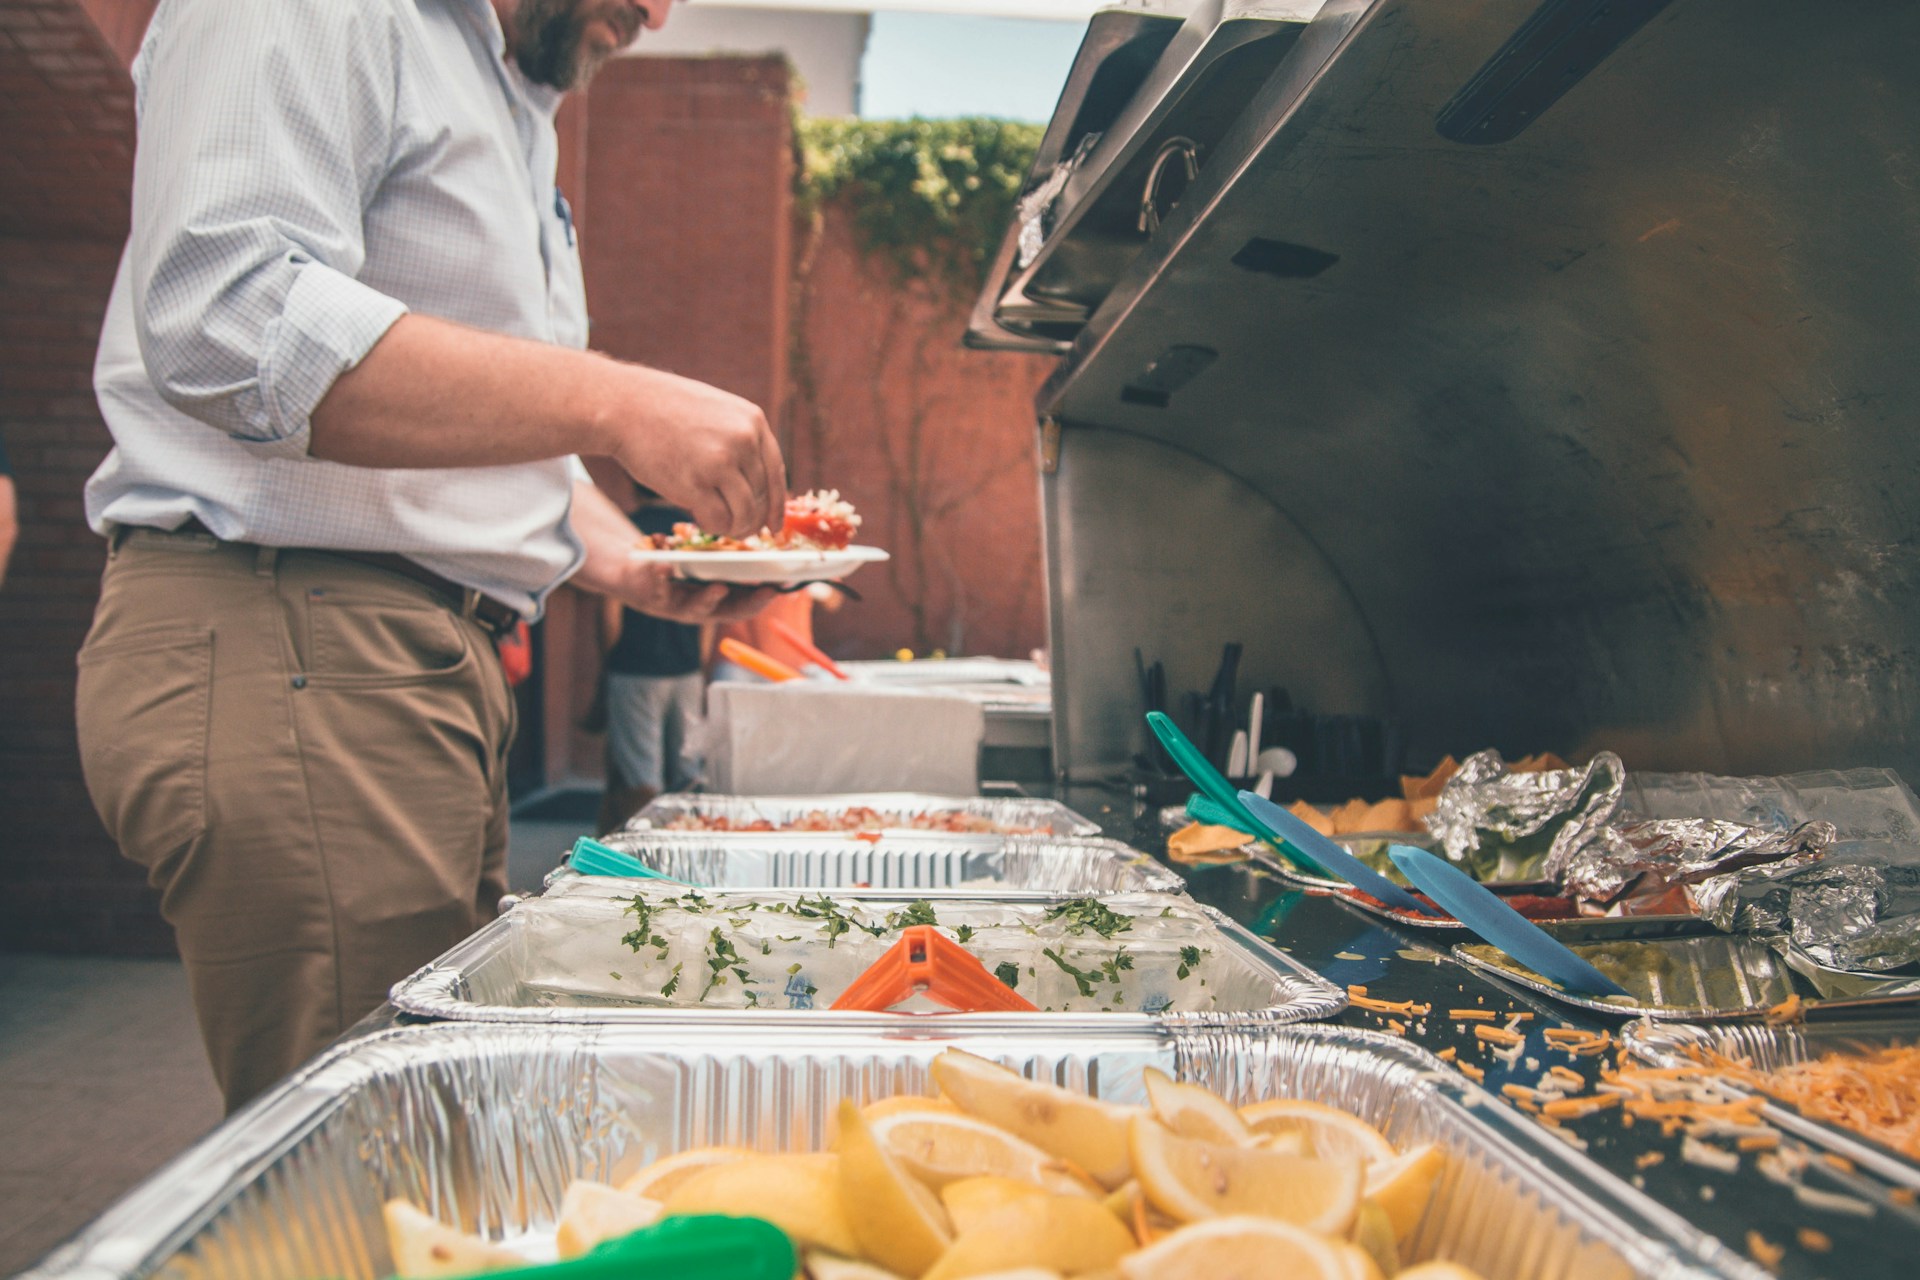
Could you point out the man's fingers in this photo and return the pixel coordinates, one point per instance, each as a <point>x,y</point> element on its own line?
<point>709,511</point>
<point>743,511</point>
<point>776,480</point>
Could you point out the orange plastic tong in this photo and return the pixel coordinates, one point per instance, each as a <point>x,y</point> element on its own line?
<point>759,663</point>
<point>814,653</point>
<point>926,960</point>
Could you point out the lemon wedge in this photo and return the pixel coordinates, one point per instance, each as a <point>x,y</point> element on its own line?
<point>425,1247</point>
<point>800,1194</point>
<point>968,1200</point>
<point>591,1212</point>
<point>939,1147</point>
<point>1072,1126</point>
<point>1193,1112</point>
<point>1403,1186</point>
<point>1068,1234</point>
<point>1190,1181</point>
<point>900,1225</point>
<point>1242,1248</point>
<point>657,1180</point>
<point>1325,1131</point>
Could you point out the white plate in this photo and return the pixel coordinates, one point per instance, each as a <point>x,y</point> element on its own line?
<point>764,568</point>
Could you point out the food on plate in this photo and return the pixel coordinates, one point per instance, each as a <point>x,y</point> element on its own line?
<point>855,818</point>
<point>896,1199</point>
<point>816,521</point>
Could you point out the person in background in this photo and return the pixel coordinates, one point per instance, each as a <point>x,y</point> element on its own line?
<point>654,692</point>
<point>9,513</point>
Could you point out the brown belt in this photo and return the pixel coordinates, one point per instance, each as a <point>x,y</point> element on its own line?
<point>495,618</point>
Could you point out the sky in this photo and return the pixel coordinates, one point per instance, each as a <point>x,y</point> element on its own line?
<point>938,65</point>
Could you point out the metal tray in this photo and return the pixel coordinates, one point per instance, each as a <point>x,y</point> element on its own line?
<point>1041,816</point>
<point>1766,1048</point>
<point>1709,976</point>
<point>485,1126</point>
<point>994,864</point>
<point>560,958</point>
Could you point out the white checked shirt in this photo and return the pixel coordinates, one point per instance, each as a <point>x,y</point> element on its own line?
<point>308,171</point>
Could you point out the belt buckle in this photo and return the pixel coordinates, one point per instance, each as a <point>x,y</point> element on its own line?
<point>471,604</point>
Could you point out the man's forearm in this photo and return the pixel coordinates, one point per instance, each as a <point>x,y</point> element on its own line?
<point>436,394</point>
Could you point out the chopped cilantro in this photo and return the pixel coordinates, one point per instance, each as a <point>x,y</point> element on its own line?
<point>673,983</point>
<point>1083,914</point>
<point>1008,972</point>
<point>918,912</point>
<point>963,932</point>
<point>1189,961</point>
<point>1081,978</point>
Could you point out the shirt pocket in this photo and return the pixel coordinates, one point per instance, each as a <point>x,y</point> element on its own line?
<point>372,643</point>
<point>142,713</point>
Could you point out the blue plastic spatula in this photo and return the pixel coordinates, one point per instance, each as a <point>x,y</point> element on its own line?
<point>1204,776</point>
<point>591,858</point>
<point>1332,856</point>
<point>1477,907</point>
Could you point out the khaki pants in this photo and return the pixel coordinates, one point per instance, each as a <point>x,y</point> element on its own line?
<point>308,756</point>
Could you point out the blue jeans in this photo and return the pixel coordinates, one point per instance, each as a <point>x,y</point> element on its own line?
<point>648,718</point>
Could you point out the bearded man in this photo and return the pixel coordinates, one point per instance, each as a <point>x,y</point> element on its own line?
<point>344,367</point>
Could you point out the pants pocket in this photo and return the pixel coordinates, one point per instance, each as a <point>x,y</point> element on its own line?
<point>142,715</point>
<point>370,643</point>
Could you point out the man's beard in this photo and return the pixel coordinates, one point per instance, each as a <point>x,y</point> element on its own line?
<point>548,40</point>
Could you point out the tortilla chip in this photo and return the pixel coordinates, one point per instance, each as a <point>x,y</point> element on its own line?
<point>1391,814</point>
<point>1198,842</point>
<point>1311,816</point>
<point>1423,788</point>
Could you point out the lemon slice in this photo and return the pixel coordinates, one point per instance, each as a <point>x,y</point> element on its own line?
<point>591,1212</point>
<point>422,1246</point>
<point>1192,1112</point>
<point>968,1200</point>
<point>906,1102</point>
<point>1328,1131</point>
<point>1438,1271</point>
<point>800,1194</point>
<point>939,1147</point>
<point>900,1225</point>
<point>657,1180</point>
<point>1403,1186</point>
<point>1086,1131</point>
<point>1240,1248</point>
<point>1373,1234</point>
<point>1068,1234</point>
<point>1190,1181</point>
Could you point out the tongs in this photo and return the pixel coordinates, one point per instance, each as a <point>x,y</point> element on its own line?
<point>711,1246</point>
<point>927,962</point>
<point>591,858</point>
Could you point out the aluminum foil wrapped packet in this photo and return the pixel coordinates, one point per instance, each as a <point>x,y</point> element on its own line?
<point>1650,855</point>
<point>1858,909</point>
<point>1519,826</point>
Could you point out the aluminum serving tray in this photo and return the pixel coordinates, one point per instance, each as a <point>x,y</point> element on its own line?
<point>485,1126</point>
<point>1766,1048</point>
<point>1710,976</point>
<point>558,958</point>
<point>914,860</point>
<point>1025,816</point>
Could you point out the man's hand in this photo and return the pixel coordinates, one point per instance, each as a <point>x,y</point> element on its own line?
<point>436,394</point>
<point>611,570</point>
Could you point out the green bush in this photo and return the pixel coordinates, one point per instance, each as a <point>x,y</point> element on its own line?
<point>933,197</point>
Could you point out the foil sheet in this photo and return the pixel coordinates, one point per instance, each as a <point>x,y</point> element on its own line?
<point>1857,910</point>
<point>560,958</point>
<point>1034,213</point>
<point>485,1126</point>
<point>921,862</point>
<point>1524,826</point>
<point>1657,852</point>
<point>1017,814</point>
<point>1768,1048</point>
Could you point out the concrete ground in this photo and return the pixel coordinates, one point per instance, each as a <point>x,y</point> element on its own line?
<point>102,1079</point>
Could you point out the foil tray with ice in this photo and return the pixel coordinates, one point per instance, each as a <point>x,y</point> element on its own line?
<point>606,950</point>
<point>484,1127</point>
<point>911,860</point>
<point>980,815</point>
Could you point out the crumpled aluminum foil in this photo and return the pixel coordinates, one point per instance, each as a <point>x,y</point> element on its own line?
<point>1857,910</point>
<point>1034,212</point>
<point>1521,826</point>
<point>1668,851</point>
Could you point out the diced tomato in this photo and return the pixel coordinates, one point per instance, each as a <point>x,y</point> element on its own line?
<point>822,528</point>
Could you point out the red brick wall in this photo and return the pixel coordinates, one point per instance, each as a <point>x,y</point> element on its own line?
<point>934,443</point>
<point>65,166</point>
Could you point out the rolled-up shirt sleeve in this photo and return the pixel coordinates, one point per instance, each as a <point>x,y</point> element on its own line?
<point>247,232</point>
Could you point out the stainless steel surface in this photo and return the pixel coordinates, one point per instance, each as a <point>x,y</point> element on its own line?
<point>1016,813</point>
<point>485,1126</point>
<point>1768,1048</point>
<point>1079,864</point>
<point>1709,976</point>
<point>1597,438</point>
<point>559,958</point>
